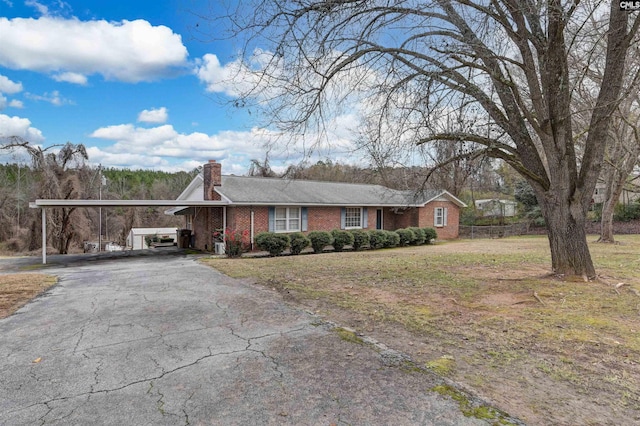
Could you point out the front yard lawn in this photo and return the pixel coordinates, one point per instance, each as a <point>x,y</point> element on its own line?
<point>488,315</point>
<point>17,289</point>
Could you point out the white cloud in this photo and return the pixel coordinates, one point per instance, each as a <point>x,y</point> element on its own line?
<point>53,98</point>
<point>41,8</point>
<point>71,77</point>
<point>9,87</point>
<point>14,103</point>
<point>21,127</point>
<point>167,142</point>
<point>146,146</point>
<point>129,51</point>
<point>164,148</point>
<point>156,115</point>
<point>234,78</point>
<point>3,102</point>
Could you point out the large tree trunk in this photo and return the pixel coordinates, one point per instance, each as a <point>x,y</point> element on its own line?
<point>566,219</point>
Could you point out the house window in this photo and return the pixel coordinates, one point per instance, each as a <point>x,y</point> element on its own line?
<point>440,217</point>
<point>287,219</point>
<point>353,217</point>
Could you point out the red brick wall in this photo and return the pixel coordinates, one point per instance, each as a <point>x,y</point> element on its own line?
<point>318,218</point>
<point>404,218</point>
<point>323,218</point>
<point>425,219</point>
<point>328,218</point>
<point>205,222</point>
<point>239,218</point>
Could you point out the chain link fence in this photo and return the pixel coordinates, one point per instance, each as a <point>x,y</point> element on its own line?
<point>494,231</point>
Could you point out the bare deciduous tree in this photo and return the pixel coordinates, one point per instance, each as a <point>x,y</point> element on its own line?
<point>623,143</point>
<point>620,159</point>
<point>58,181</point>
<point>409,65</point>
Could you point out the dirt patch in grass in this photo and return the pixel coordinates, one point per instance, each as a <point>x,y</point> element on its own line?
<point>18,289</point>
<point>487,314</point>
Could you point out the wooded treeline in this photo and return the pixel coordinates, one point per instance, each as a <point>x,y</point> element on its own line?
<point>68,229</point>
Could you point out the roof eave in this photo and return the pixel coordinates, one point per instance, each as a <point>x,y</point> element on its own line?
<point>450,196</point>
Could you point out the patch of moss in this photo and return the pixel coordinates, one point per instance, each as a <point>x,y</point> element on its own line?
<point>443,365</point>
<point>33,267</point>
<point>348,336</point>
<point>471,410</point>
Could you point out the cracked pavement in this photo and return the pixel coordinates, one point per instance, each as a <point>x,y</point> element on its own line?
<point>165,340</point>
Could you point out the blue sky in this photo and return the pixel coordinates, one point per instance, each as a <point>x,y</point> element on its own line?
<point>128,79</point>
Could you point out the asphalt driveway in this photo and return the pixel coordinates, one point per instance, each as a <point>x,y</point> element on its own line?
<point>165,340</point>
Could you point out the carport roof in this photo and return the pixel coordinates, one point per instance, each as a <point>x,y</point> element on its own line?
<point>120,203</point>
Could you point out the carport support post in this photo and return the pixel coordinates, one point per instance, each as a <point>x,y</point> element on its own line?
<point>44,236</point>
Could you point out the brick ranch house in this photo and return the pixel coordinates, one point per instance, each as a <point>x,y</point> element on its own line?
<point>257,204</point>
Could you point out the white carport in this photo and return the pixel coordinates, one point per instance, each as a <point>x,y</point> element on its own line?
<point>52,203</point>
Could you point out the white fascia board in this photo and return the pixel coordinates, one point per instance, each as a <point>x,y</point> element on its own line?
<point>194,184</point>
<point>288,204</point>
<point>447,194</point>
<point>122,203</point>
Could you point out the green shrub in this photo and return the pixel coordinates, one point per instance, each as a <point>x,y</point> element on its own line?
<point>469,215</point>
<point>406,236</point>
<point>377,238</point>
<point>236,242</point>
<point>626,212</point>
<point>420,236</point>
<point>341,239</point>
<point>360,239</point>
<point>298,242</point>
<point>319,240</point>
<point>392,240</point>
<point>430,235</point>
<point>274,243</point>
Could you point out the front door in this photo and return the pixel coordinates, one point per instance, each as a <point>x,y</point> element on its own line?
<point>379,219</point>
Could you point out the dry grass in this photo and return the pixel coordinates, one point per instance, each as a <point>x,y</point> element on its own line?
<point>17,289</point>
<point>544,349</point>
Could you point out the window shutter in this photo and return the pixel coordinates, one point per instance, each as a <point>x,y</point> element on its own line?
<point>445,216</point>
<point>365,217</point>
<point>343,218</point>
<point>305,219</point>
<point>272,219</point>
<point>435,216</point>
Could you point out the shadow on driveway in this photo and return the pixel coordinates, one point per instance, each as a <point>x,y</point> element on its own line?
<point>22,263</point>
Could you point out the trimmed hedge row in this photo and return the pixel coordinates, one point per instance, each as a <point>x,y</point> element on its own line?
<point>358,239</point>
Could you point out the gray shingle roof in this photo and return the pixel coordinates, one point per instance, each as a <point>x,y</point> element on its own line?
<point>259,190</point>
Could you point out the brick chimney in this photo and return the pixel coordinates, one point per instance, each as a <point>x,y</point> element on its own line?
<point>212,174</point>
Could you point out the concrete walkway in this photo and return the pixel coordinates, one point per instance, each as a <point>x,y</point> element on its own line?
<point>166,341</point>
